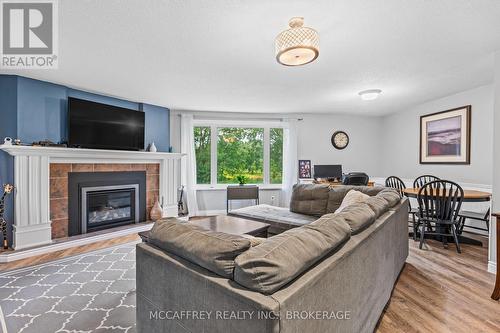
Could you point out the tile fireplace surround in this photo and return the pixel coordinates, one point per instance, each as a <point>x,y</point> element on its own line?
<point>40,178</point>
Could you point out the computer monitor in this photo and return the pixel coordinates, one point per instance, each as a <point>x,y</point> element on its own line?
<point>328,171</point>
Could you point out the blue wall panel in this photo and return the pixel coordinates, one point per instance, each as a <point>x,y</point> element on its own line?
<point>41,110</point>
<point>8,127</point>
<point>157,120</point>
<point>102,99</point>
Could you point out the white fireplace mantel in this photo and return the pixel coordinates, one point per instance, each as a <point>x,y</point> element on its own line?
<point>32,225</point>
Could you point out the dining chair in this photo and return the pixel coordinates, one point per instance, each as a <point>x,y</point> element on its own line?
<point>422,180</point>
<point>484,217</point>
<point>398,184</point>
<point>439,204</point>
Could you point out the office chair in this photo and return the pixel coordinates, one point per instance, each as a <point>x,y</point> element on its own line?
<point>356,178</point>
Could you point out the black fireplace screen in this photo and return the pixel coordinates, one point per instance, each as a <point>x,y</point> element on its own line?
<point>109,206</point>
<point>102,200</point>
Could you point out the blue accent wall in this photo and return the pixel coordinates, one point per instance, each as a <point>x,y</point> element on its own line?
<point>41,108</point>
<point>156,121</point>
<point>8,127</point>
<point>34,110</point>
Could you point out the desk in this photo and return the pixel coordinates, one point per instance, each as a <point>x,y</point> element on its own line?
<point>335,184</point>
<point>469,196</point>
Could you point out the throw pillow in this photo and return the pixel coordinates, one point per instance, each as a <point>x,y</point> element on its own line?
<point>350,198</point>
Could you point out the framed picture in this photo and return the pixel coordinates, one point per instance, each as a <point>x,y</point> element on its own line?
<point>445,137</point>
<point>305,169</point>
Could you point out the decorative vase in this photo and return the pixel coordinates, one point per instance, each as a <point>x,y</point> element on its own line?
<point>152,147</point>
<point>156,212</point>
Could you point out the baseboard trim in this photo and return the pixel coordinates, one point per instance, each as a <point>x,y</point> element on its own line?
<point>77,241</point>
<point>492,267</point>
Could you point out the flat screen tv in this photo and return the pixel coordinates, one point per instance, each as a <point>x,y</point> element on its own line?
<point>102,126</point>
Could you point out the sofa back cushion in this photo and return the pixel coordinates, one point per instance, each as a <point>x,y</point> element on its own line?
<point>390,195</point>
<point>214,251</point>
<point>309,199</point>
<point>338,193</point>
<point>378,205</point>
<point>277,261</point>
<point>358,216</point>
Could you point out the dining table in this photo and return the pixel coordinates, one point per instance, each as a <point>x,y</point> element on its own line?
<point>469,196</point>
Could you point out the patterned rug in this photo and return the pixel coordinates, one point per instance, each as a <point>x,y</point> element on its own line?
<point>92,292</point>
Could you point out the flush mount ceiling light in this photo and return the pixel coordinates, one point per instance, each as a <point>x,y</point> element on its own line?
<point>369,95</point>
<point>298,45</point>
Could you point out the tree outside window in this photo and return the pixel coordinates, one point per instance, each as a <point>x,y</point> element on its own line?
<point>239,152</point>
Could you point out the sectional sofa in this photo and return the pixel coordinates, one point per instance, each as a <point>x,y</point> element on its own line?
<point>325,272</point>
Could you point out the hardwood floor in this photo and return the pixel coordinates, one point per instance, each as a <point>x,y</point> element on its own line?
<point>67,252</point>
<point>440,290</point>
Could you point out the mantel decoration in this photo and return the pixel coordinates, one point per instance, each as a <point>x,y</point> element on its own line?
<point>156,212</point>
<point>298,45</point>
<point>7,189</point>
<point>445,137</point>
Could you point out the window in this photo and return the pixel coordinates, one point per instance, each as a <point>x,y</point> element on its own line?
<point>202,140</point>
<point>240,152</point>
<point>254,152</point>
<point>276,155</point>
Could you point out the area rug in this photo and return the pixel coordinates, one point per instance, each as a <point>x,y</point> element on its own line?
<point>92,292</point>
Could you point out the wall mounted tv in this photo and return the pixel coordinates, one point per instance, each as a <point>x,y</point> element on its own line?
<point>102,126</point>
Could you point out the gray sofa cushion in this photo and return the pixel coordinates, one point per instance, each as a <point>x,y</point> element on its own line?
<point>358,216</point>
<point>214,251</point>
<point>338,193</point>
<point>390,195</point>
<point>309,199</point>
<point>277,261</point>
<point>378,204</point>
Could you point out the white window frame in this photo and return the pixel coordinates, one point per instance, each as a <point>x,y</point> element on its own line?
<point>215,124</point>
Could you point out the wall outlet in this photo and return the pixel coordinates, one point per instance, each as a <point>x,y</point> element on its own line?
<point>272,199</point>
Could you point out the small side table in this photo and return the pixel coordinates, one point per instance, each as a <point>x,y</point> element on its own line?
<point>243,192</point>
<point>496,291</point>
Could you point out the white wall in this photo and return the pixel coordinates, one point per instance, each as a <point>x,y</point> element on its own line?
<point>400,140</point>
<point>362,153</point>
<point>496,163</point>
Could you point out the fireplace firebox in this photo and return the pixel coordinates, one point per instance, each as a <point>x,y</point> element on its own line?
<point>109,205</point>
<point>101,200</point>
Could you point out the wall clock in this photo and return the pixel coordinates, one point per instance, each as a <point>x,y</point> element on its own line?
<point>340,139</point>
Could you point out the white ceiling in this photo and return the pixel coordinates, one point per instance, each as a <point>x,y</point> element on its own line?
<point>218,55</point>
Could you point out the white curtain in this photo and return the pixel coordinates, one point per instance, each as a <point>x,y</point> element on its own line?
<point>290,162</point>
<point>188,164</point>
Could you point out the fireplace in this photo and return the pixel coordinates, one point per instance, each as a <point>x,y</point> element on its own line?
<point>103,206</point>
<point>101,200</point>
